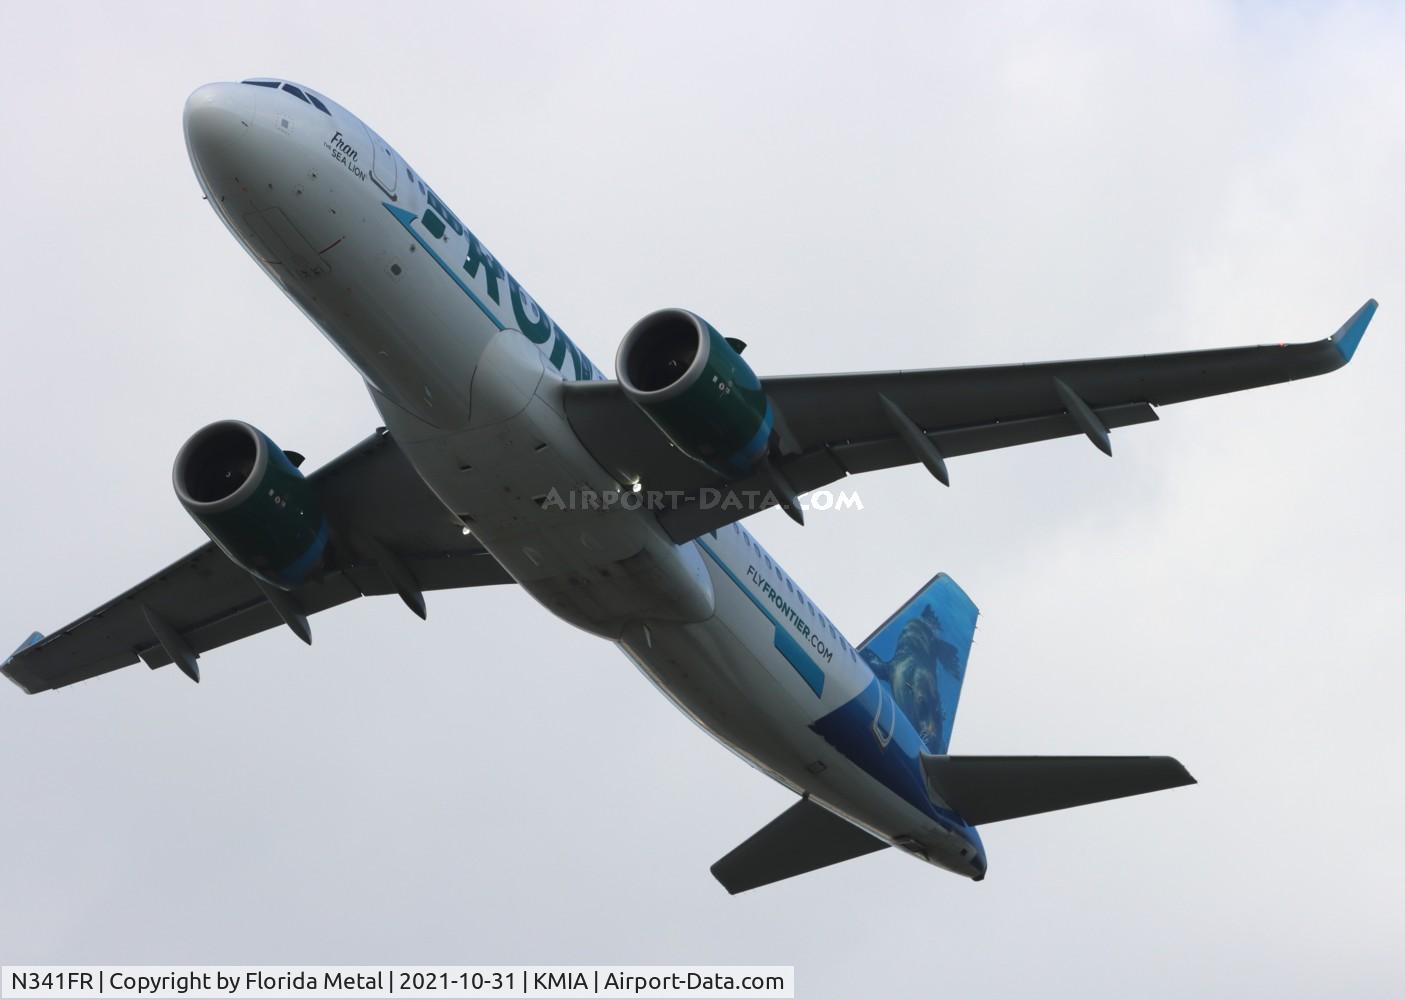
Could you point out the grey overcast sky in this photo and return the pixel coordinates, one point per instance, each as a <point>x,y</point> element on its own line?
<point>845,187</point>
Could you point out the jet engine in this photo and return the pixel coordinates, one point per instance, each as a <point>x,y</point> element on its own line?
<point>249,497</point>
<point>693,384</point>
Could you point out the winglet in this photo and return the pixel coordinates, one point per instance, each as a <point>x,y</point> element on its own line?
<point>34,638</point>
<point>1352,330</point>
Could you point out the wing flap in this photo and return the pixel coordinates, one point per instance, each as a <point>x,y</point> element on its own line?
<point>802,839</point>
<point>695,515</point>
<point>991,789</point>
<point>866,456</point>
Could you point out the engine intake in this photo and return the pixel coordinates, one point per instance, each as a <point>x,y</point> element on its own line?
<point>696,388</point>
<point>251,500</point>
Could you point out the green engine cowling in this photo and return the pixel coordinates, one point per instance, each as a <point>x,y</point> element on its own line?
<point>697,389</point>
<point>251,500</point>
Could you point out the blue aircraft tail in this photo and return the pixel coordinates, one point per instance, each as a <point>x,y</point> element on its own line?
<point>920,654</point>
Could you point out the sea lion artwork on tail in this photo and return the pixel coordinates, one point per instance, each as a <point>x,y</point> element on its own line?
<point>920,655</point>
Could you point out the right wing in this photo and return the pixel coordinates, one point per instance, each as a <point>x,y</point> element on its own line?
<point>391,535</point>
<point>843,424</point>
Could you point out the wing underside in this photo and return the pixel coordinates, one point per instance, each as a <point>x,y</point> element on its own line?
<point>392,536</point>
<point>840,425</point>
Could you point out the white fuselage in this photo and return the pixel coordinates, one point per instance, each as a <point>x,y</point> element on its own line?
<point>467,371</point>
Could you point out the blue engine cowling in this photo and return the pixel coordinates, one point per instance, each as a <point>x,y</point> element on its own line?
<point>253,502</point>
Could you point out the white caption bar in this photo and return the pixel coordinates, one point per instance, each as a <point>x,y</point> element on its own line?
<point>442,982</point>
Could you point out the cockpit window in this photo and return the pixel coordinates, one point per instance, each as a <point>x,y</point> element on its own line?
<point>306,96</point>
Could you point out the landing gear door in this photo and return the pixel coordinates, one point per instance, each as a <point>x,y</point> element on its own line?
<point>383,165</point>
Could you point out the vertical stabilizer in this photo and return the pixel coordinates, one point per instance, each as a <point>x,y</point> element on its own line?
<point>920,654</point>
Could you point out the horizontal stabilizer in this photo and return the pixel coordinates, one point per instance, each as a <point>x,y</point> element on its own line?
<point>801,839</point>
<point>989,789</point>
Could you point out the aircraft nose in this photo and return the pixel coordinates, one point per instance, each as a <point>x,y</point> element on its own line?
<point>216,122</point>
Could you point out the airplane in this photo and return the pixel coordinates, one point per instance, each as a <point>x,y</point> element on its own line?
<point>507,456</point>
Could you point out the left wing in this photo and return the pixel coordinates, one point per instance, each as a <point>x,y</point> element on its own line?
<point>837,425</point>
<point>391,535</point>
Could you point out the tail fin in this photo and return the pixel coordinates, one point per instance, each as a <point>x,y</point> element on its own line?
<point>920,653</point>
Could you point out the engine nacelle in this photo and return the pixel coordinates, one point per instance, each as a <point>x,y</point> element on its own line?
<point>251,500</point>
<point>696,388</point>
